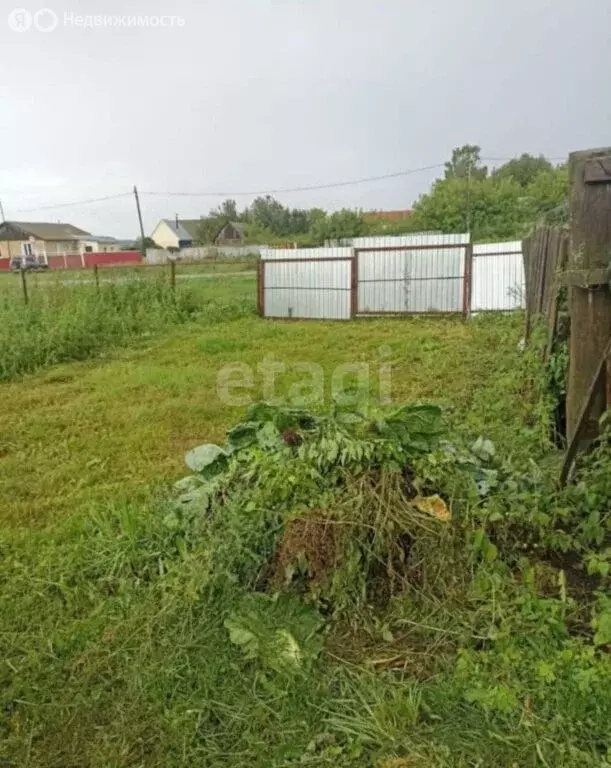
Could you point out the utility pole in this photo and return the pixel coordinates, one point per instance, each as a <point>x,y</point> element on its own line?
<point>142,246</point>
<point>8,242</point>
<point>469,197</point>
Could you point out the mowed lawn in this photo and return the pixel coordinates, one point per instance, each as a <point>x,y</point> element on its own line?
<point>117,428</point>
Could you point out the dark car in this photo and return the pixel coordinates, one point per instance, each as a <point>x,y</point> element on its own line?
<point>27,263</point>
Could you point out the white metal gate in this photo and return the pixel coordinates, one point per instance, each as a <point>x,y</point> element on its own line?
<point>307,288</point>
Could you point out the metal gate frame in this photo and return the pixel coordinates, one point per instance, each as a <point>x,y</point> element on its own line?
<point>466,277</point>
<point>353,285</point>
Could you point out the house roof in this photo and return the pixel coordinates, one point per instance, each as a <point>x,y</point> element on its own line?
<point>102,239</point>
<point>388,215</point>
<point>41,230</point>
<point>238,226</point>
<point>186,230</point>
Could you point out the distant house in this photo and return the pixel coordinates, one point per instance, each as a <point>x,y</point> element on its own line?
<point>375,216</point>
<point>40,239</point>
<point>184,233</point>
<point>103,244</point>
<point>231,234</point>
<point>45,239</point>
<point>176,233</point>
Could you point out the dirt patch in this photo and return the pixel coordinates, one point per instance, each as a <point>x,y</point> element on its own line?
<point>310,547</point>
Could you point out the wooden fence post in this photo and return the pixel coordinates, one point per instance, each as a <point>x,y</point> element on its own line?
<point>24,285</point>
<point>590,301</point>
<point>96,277</point>
<point>172,274</point>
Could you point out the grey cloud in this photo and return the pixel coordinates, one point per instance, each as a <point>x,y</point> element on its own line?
<point>258,94</point>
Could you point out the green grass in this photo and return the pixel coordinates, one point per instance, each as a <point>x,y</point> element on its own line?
<point>75,320</point>
<point>212,266</point>
<point>115,652</point>
<point>120,424</point>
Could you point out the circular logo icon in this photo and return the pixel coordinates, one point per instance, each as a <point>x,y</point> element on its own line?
<point>19,20</point>
<point>45,20</point>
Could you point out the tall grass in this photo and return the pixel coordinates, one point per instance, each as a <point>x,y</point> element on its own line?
<point>79,320</point>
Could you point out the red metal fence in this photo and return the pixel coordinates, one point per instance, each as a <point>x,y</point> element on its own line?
<point>86,260</point>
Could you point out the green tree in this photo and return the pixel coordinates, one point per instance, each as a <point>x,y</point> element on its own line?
<point>210,227</point>
<point>494,208</point>
<point>341,224</point>
<point>523,169</point>
<point>547,196</point>
<point>229,210</point>
<point>268,213</point>
<point>465,158</point>
<point>137,244</point>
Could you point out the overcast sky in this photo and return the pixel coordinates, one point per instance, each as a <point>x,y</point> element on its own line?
<point>265,94</point>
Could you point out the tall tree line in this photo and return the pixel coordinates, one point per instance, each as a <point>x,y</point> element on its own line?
<point>497,204</point>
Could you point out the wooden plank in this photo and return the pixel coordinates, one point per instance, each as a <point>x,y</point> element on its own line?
<point>546,236</point>
<point>552,322</point>
<point>528,250</point>
<point>590,210</point>
<point>526,244</point>
<point>585,278</point>
<point>581,425</point>
<point>552,268</point>
<point>598,170</point>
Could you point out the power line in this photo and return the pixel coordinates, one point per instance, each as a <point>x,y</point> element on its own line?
<point>74,203</point>
<point>311,188</point>
<point>516,157</point>
<point>279,190</point>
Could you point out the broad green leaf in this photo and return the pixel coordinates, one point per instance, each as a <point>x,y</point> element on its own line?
<point>602,624</point>
<point>203,456</point>
<point>242,435</point>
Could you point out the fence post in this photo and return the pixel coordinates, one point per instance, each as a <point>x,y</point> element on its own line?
<point>259,303</point>
<point>589,302</point>
<point>468,280</point>
<point>261,288</point>
<point>24,285</point>
<point>96,277</point>
<point>354,284</point>
<point>172,274</point>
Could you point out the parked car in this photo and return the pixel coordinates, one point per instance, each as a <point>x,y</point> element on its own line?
<point>27,263</point>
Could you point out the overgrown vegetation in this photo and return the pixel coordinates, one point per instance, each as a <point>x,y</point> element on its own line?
<point>74,320</point>
<point>354,587</point>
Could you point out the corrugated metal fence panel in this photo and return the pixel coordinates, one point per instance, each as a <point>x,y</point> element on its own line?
<point>487,249</point>
<point>219,251</point>
<point>271,254</point>
<point>428,239</point>
<point>157,256</point>
<point>418,281</point>
<point>308,289</point>
<point>498,277</point>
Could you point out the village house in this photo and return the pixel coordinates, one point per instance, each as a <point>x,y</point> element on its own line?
<point>45,239</point>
